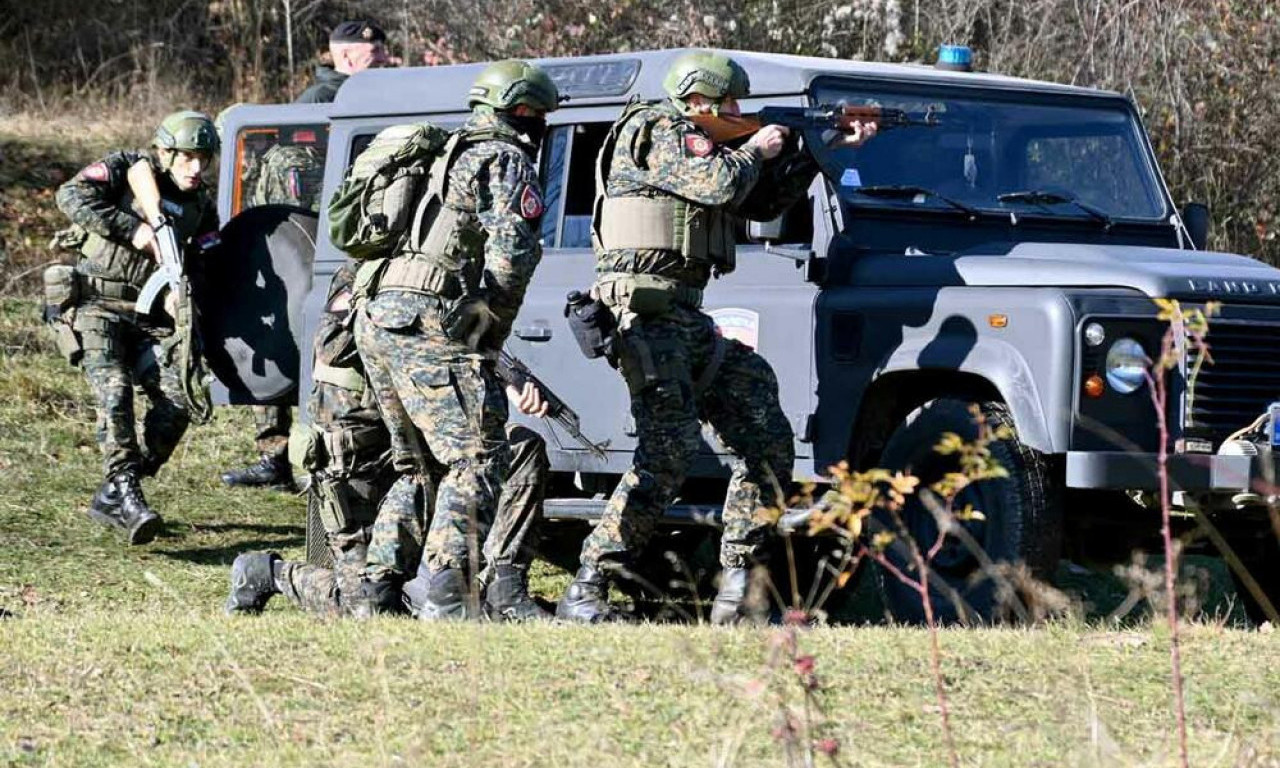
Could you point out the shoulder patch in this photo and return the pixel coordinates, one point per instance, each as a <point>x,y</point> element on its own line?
<point>97,172</point>
<point>696,145</point>
<point>531,206</point>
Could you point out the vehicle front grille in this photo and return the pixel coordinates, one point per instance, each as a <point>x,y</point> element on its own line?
<point>1243,379</point>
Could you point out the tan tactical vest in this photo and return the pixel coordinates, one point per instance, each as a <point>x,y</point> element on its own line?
<point>444,253</point>
<point>701,234</point>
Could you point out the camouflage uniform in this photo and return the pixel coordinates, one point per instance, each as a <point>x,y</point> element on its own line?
<point>289,174</point>
<point>347,452</point>
<point>679,371</point>
<point>120,349</point>
<point>421,375</point>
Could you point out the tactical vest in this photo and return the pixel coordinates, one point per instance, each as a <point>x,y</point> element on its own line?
<point>116,270</point>
<point>703,235</point>
<point>444,253</point>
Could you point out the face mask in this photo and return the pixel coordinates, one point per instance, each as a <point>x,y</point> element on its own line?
<point>533,127</point>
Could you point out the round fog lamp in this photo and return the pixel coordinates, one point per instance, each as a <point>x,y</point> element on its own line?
<point>1094,334</point>
<point>1126,366</point>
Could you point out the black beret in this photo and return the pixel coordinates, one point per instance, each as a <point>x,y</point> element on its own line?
<point>357,32</point>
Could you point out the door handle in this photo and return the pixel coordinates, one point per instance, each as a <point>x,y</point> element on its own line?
<point>536,332</point>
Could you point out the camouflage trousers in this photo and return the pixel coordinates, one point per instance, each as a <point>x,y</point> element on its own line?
<point>677,379</point>
<point>119,355</point>
<point>513,539</point>
<point>382,542</point>
<point>271,425</point>
<point>457,406</point>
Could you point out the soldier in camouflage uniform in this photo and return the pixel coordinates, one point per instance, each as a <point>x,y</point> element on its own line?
<point>375,529</point>
<point>437,313</point>
<point>348,452</point>
<point>121,349</point>
<point>664,226</point>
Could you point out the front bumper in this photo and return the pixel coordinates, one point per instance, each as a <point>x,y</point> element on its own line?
<point>1187,471</point>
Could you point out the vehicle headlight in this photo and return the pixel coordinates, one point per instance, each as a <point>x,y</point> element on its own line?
<point>1126,366</point>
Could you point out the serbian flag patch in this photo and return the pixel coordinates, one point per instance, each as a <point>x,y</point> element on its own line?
<point>531,206</point>
<point>97,172</point>
<point>697,146</point>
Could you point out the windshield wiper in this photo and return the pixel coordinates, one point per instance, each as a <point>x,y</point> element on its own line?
<point>907,191</point>
<point>1042,198</point>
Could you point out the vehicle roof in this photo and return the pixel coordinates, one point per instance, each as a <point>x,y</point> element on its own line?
<point>424,90</point>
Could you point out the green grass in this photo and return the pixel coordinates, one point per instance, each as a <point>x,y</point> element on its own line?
<point>120,656</point>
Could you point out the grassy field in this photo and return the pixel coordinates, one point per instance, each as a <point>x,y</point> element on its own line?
<point>119,656</point>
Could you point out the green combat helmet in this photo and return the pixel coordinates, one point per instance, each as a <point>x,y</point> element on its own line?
<point>187,131</point>
<point>504,84</point>
<point>713,75</point>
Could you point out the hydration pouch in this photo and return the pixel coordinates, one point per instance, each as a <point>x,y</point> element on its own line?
<point>591,323</point>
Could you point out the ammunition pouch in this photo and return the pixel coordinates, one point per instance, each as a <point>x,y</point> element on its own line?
<point>645,295</point>
<point>302,447</point>
<point>335,505</point>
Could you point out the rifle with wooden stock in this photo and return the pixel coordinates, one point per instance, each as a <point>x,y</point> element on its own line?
<point>844,118</point>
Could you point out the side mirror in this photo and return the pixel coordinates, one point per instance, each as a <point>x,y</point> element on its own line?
<point>765,231</point>
<point>1195,217</point>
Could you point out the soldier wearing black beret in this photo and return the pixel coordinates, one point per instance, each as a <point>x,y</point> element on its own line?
<point>353,46</point>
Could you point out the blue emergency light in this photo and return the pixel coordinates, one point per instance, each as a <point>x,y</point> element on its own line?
<point>955,58</point>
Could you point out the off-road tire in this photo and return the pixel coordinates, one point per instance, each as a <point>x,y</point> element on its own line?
<point>1023,517</point>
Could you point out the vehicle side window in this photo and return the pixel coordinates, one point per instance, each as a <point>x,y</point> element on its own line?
<point>279,164</point>
<point>569,183</point>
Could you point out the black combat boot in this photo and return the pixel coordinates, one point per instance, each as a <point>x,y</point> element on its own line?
<point>587,599</point>
<point>730,603</point>
<point>105,507</point>
<point>439,595</point>
<point>377,598</point>
<point>138,519</point>
<point>268,472</point>
<point>253,582</point>
<point>507,597</point>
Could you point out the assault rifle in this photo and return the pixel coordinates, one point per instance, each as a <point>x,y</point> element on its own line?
<point>827,117</point>
<point>184,347</point>
<point>142,182</point>
<point>515,373</point>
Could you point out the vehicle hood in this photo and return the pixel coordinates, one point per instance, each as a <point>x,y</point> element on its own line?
<point>1155,272</point>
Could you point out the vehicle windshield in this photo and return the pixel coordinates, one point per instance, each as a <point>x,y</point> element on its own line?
<point>1045,155</point>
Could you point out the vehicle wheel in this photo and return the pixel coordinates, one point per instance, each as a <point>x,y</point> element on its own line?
<point>1022,518</point>
<point>1260,556</point>
<point>318,552</point>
